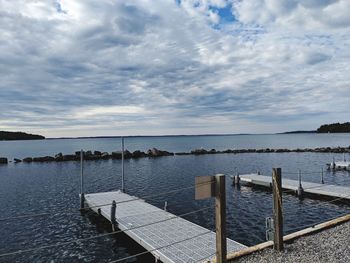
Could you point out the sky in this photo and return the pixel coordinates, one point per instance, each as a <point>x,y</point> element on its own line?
<point>154,67</point>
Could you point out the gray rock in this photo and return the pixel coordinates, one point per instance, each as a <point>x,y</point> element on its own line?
<point>105,155</point>
<point>154,152</point>
<point>199,151</point>
<point>97,153</point>
<point>116,155</point>
<point>59,155</point>
<point>28,159</point>
<point>43,159</point>
<point>70,157</point>
<point>138,154</point>
<point>17,160</point>
<point>3,160</point>
<point>182,153</point>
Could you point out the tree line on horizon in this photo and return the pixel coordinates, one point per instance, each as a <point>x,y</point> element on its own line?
<point>12,136</point>
<point>334,128</point>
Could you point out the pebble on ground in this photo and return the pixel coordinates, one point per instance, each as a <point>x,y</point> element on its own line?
<point>330,245</point>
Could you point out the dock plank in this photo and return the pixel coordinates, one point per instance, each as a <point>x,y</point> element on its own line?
<point>327,190</point>
<point>138,213</point>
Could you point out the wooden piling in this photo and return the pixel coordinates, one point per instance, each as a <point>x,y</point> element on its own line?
<point>237,179</point>
<point>300,187</point>
<point>82,197</point>
<point>113,216</point>
<point>277,208</point>
<point>220,218</point>
<point>123,188</point>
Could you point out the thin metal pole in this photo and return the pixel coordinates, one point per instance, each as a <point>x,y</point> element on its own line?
<point>123,188</point>
<point>82,198</point>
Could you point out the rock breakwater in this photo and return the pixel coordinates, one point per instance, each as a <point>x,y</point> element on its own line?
<point>154,153</point>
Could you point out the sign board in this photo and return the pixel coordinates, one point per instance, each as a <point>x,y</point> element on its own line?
<point>204,187</point>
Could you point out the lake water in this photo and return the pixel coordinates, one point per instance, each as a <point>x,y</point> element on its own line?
<point>41,187</point>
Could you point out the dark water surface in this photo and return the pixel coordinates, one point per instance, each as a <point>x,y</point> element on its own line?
<point>54,187</point>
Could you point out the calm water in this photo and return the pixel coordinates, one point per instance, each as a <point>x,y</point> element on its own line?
<point>38,187</point>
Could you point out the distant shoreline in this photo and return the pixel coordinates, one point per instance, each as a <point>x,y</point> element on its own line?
<point>189,135</point>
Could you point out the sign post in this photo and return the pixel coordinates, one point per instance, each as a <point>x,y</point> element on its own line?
<point>214,186</point>
<point>277,208</point>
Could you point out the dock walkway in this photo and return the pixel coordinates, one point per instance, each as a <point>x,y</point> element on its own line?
<point>326,190</point>
<point>137,213</point>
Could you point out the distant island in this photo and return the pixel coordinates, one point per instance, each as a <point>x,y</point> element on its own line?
<point>334,128</point>
<point>292,132</point>
<point>327,128</point>
<point>12,136</point>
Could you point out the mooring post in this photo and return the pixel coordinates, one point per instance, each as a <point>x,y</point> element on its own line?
<point>237,179</point>
<point>165,205</point>
<point>113,216</point>
<point>220,218</point>
<point>123,188</point>
<point>300,187</point>
<point>82,196</point>
<point>277,208</point>
<point>322,181</point>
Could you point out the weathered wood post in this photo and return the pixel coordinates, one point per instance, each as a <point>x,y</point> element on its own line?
<point>236,180</point>
<point>113,216</point>
<point>165,206</point>
<point>300,187</point>
<point>123,188</point>
<point>220,218</point>
<point>214,186</point>
<point>277,208</point>
<point>322,181</point>
<point>82,196</point>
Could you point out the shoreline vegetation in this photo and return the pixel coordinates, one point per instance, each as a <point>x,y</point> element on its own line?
<point>335,128</point>
<point>14,136</point>
<point>154,153</point>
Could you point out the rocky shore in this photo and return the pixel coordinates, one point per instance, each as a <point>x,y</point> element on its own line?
<point>154,153</point>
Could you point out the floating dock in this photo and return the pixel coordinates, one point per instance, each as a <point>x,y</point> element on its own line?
<point>140,220</point>
<point>344,165</point>
<point>326,190</point>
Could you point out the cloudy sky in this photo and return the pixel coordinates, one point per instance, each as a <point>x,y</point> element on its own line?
<point>113,67</point>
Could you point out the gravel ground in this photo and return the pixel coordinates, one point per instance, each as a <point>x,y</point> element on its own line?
<point>331,245</point>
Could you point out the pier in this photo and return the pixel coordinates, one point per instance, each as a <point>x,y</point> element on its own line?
<point>168,237</point>
<point>325,190</point>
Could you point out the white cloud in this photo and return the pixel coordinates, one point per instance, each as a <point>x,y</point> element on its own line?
<point>295,14</point>
<point>156,66</point>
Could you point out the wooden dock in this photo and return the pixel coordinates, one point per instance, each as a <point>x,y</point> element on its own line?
<point>325,190</point>
<point>132,216</point>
